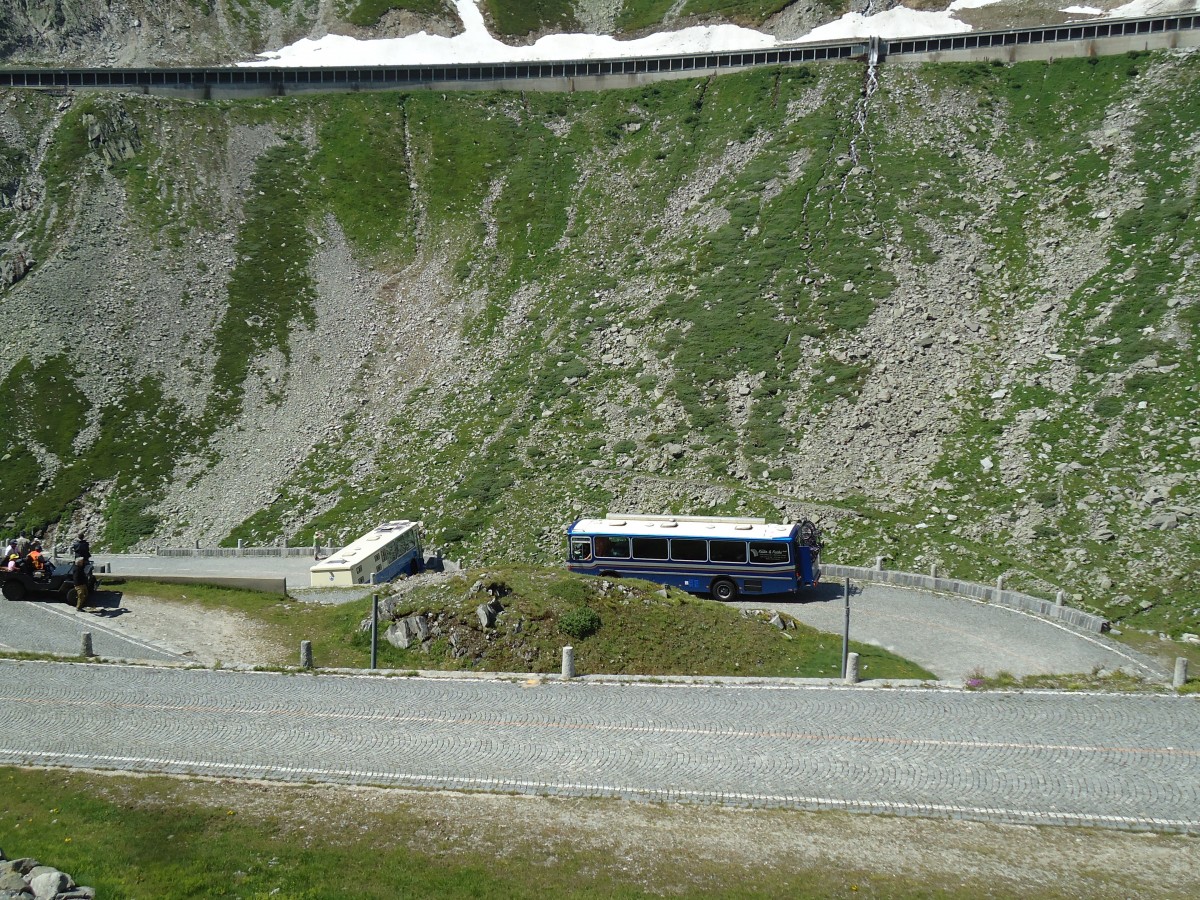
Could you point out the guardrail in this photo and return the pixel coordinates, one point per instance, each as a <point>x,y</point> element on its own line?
<point>986,593</point>
<point>246,552</point>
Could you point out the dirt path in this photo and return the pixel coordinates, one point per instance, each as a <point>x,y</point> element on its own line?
<point>203,634</point>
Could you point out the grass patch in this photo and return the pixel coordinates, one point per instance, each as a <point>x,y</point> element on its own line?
<point>270,287</point>
<point>368,12</point>
<point>139,438</point>
<point>361,175</point>
<point>638,14</point>
<point>1118,682</point>
<point>516,18</point>
<point>153,836</point>
<point>622,627</point>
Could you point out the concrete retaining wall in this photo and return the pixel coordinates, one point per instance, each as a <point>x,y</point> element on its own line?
<point>988,594</point>
<point>266,585</point>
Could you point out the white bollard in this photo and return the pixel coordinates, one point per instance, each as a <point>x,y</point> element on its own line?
<point>306,661</point>
<point>568,667</point>
<point>85,645</point>
<point>851,668</point>
<point>1060,598</point>
<point>1181,667</point>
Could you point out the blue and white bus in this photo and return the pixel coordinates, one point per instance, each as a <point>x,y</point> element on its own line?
<point>700,554</point>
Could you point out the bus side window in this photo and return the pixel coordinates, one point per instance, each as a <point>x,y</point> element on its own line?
<point>727,551</point>
<point>768,552</point>
<point>581,548</point>
<point>650,548</point>
<point>689,549</point>
<point>610,547</point>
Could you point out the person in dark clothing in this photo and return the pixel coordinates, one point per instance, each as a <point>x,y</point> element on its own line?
<point>81,548</point>
<point>80,578</point>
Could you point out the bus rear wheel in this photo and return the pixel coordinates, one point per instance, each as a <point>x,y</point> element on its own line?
<point>723,589</point>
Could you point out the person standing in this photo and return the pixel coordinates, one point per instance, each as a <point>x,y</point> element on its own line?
<point>80,577</point>
<point>81,547</point>
<point>23,545</point>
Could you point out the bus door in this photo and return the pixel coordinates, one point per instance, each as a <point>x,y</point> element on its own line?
<point>808,571</point>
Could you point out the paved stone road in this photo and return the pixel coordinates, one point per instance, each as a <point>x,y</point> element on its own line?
<point>1118,761</point>
<point>44,626</point>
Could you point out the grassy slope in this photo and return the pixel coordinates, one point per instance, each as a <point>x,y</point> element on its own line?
<point>756,295</point>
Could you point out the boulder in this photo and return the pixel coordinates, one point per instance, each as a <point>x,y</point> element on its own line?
<point>407,631</point>
<point>1163,521</point>
<point>11,881</point>
<point>487,615</point>
<point>49,884</point>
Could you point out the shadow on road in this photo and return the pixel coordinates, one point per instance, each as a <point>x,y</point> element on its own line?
<point>821,593</point>
<point>107,604</point>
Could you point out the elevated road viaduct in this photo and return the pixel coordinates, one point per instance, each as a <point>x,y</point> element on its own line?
<point>1102,37</point>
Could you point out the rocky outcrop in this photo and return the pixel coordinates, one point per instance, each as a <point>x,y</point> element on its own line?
<point>15,263</point>
<point>181,32</point>
<point>28,879</point>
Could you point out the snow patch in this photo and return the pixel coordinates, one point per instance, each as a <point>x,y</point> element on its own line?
<point>476,45</point>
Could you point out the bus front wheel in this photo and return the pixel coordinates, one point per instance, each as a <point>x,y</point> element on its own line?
<point>723,589</point>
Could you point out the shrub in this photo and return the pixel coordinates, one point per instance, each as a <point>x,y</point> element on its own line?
<point>580,622</point>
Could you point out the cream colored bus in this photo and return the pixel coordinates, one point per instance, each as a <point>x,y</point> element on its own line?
<point>391,549</point>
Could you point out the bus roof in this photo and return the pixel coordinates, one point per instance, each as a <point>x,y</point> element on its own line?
<point>684,526</point>
<point>364,546</point>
